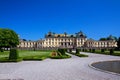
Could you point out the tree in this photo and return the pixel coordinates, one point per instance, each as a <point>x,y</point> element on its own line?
<point>24,40</point>
<point>108,38</point>
<point>8,38</point>
<point>102,39</point>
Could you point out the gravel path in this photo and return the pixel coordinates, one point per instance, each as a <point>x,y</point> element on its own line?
<point>74,68</point>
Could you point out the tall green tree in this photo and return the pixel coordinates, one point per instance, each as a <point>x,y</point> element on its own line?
<point>8,38</point>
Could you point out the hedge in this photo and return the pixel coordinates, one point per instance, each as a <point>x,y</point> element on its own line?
<point>13,54</point>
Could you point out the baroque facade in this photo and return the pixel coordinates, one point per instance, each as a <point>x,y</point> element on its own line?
<point>78,40</point>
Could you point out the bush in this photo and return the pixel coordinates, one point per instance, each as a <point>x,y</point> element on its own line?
<point>81,55</point>
<point>65,50</point>
<point>1,50</point>
<point>70,50</point>
<point>60,57</point>
<point>102,50</point>
<point>93,50</point>
<point>90,50</point>
<point>83,50</point>
<point>111,51</point>
<point>53,54</point>
<point>60,54</point>
<point>116,54</point>
<point>62,51</point>
<point>77,51</point>
<point>13,54</point>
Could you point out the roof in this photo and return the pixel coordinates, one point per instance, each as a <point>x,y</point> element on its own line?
<point>65,35</point>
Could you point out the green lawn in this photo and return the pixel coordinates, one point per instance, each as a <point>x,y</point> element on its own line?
<point>116,53</point>
<point>28,55</point>
<point>34,53</point>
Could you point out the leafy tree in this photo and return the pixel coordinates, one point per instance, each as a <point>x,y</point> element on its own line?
<point>25,40</point>
<point>109,38</point>
<point>102,39</point>
<point>8,38</point>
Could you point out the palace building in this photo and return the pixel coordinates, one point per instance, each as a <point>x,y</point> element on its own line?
<point>77,40</point>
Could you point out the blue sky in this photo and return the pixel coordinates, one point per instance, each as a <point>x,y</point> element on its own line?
<point>31,19</point>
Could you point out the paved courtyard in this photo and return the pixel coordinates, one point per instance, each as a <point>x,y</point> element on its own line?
<point>75,68</point>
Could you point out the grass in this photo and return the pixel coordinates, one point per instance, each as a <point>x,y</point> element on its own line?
<point>34,53</point>
<point>6,59</point>
<point>4,54</point>
<point>25,55</point>
<point>107,52</point>
<point>30,55</point>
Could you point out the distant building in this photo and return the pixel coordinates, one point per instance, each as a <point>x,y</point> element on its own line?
<point>78,40</point>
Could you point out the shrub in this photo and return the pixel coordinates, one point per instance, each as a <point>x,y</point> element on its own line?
<point>102,50</point>
<point>111,51</point>
<point>93,50</point>
<point>13,54</point>
<point>83,50</point>
<point>90,50</point>
<point>60,56</point>
<point>1,50</point>
<point>70,50</point>
<point>116,54</point>
<point>62,51</point>
<point>77,51</point>
<point>54,53</point>
<point>81,55</point>
<point>65,50</point>
<point>58,53</point>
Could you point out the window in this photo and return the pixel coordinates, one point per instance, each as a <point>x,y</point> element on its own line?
<point>65,39</point>
<point>53,39</point>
